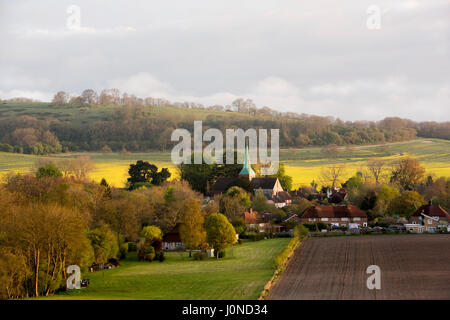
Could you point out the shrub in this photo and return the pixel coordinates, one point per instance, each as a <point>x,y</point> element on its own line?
<point>199,256</point>
<point>150,254</point>
<point>160,256</point>
<point>292,245</point>
<point>301,231</point>
<point>221,254</point>
<point>254,236</point>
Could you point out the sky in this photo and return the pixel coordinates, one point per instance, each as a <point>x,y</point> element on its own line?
<point>354,59</point>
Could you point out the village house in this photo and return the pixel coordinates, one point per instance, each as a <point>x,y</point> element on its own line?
<point>172,240</point>
<point>337,195</point>
<point>257,222</point>
<point>337,216</point>
<point>428,218</point>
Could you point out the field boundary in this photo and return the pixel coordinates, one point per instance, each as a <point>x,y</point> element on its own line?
<point>280,268</point>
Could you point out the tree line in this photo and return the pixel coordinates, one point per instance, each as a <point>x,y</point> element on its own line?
<point>135,125</point>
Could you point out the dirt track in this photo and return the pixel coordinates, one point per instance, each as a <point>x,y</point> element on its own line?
<point>412,267</point>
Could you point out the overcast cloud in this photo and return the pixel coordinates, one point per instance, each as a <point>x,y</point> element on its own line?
<point>315,57</point>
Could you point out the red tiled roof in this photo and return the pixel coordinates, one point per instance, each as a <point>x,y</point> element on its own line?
<point>433,210</point>
<point>250,217</point>
<point>334,212</point>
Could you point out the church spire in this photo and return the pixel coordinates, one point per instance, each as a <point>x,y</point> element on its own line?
<point>247,170</point>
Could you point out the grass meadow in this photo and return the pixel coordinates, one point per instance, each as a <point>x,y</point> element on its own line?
<point>304,165</point>
<point>242,274</point>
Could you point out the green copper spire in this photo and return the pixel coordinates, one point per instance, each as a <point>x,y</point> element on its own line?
<point>247,169</point>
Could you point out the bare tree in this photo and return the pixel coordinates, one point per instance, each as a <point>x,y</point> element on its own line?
<point>376,169</point>
<point>331,151</point>
<point>332,174</point>
<point>81,166</point>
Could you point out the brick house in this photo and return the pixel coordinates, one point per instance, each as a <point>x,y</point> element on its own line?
<point>428,218</point>
<point>257,222</point>
<point>335,215</point>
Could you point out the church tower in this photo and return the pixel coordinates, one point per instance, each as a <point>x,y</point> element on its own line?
<point>247,170</point>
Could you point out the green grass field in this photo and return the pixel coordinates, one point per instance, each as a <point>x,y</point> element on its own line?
<point>242,274</point>
<point>304,165</point>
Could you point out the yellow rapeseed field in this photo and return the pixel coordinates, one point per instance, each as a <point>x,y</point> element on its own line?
<point>304,165</point>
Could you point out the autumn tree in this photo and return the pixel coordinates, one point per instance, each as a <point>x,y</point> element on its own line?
<point>89,96</point>
<point>60,98</point>
<point>151,233</point>
<point>192,229</point>
<point>219,232</point>
<point>47,238</point>
<point>104,243</point>
<point>407,173</point>
<point>234,202</point>
<point>385,194</point>
<point>405,204</point>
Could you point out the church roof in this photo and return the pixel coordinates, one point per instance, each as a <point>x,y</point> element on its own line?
<point>264,183</point>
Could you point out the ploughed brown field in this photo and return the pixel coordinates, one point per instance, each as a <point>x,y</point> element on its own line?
<point>412,267</point>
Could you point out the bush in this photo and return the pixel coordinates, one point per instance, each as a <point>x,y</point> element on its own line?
<point>221,254</point>
<point>199,256</point>
<point>254,236</point>
<point>160,256</point>
<point>149,254</point>
<point>292,245</point>
<point>301,231</point>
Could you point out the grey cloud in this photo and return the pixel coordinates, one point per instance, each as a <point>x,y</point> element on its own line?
<point>316,57</point>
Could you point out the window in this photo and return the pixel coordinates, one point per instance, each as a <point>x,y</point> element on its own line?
<point>357,219</point>
<point>344,219</point>
<point>430,221</point>
<point>312,219</point>
<point>324,219</point>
